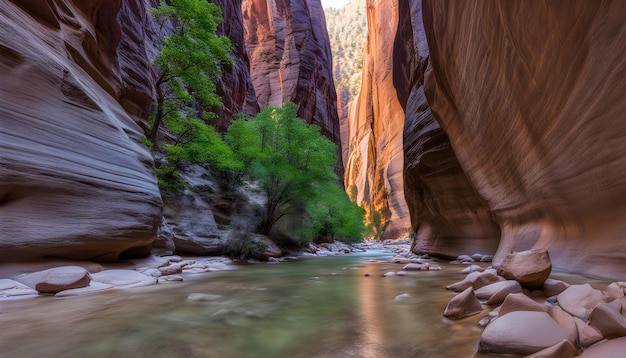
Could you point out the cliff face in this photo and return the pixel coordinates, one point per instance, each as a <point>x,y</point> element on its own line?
<point>374,161</point>
<point>290,59</point>
<point>235,85</point>
<point>448,216</point>
<point>531,98</point>
<point>74,181</point>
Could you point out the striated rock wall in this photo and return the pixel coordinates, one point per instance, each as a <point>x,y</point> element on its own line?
<point>447,215</point>
<point>374,161</point>
<point>235,85</point>
<point>74,180</point>
<point>290,59</point>
<point>531,97</point>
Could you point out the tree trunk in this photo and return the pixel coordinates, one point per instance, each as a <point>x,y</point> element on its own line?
<point>158,119</point>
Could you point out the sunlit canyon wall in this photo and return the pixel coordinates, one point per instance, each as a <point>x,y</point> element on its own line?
<point>530,96</point>
<point>373,138</point>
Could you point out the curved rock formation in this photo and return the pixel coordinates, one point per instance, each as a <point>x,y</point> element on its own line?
<point>531,97</point>
<point>447,215</point>
<point>74,180</point>
<point>375,154</point>
<point>290,59</point>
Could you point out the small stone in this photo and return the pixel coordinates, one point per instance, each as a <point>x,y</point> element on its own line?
<point>495,293</point>
<point>389,274</point>
<point>471,268</point>
<point>203,297</point>
<point>463,305</point>
<point>405,297</point>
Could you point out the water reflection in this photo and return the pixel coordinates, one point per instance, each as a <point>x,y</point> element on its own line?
<point>312,308</point>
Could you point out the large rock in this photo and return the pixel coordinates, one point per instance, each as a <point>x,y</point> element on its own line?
<point>529,268</point>
<point>613,348</point>
<point>56,279</point>
<point>463,305</point>
<point>521,332</point>
<point>475,280</point>
<point>75,180</point>
<point>535,121</point>
<point>374,163</point>
<point>580,300</point>
<point>123,278</point>
<point>610,318</point>
<point>563,349</point>
<point>496,293</point>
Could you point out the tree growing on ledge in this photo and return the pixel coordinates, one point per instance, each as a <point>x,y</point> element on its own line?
<point>187,68</point>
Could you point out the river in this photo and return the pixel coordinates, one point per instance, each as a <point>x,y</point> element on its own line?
<point>337,306</point>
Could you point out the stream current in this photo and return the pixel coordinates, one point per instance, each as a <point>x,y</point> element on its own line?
<point>322,307</point>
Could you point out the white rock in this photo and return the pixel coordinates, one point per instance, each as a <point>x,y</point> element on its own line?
<point>471,268</point>
<point>93,287</point>
<point>123,278</point>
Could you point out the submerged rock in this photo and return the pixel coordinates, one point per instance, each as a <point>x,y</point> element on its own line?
<point>123,278</point>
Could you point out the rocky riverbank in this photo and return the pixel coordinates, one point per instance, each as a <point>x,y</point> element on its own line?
<point>72,278</point>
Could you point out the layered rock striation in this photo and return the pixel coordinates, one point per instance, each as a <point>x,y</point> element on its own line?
<point>448,216</point>
<point>374,163</point>
<point>531,99</point>
<point>291,61</point>
<point>75,181</point>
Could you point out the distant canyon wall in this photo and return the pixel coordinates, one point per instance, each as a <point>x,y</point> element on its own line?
<point>531,100</point>
<point>373,137</point>
<point>75,181</point>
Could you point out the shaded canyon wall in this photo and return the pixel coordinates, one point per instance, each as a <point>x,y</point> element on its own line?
<point>448,216</point>
<point>531,98</point>
<point>74,180</point>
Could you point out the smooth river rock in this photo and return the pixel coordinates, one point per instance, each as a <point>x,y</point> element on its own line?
<point>521,332</point>
<point>56,279</point>
<point>529,268</point>
<point>463,305</point>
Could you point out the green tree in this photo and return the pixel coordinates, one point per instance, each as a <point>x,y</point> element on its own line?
<point>293,164</point>
<point>187,67</point>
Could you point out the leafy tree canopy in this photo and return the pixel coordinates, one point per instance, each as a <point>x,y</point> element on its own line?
<point>293,164</point>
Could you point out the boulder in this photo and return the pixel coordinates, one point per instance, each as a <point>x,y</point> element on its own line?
<point>495,293</point>
<point>609,318</point>
<point>580,300</point>
<point>552,287</point>
<point>521,332</point>
<point>123,278</point>
<point>530,268</point>
<point>463,305</point>
<point>520,302</point>
<point>616,290</point>
<point>56,279</point>
<point>613,348</point>
<point>587,335</point>
<point>563,349</point>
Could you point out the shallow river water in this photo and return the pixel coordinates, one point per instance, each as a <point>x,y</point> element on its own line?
<point>324,307</point>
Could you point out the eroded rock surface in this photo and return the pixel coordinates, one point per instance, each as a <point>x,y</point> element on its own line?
<point>374,160</point>
<point>536,120</point>
<point>74,180</point>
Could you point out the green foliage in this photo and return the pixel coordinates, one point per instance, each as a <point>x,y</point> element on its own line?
<point>191,58</point>
<point>375,225</point>
<point>245,246</point>
<point>293,164</point>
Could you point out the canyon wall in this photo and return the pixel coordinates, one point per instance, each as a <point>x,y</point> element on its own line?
<point>374,162</point>
<point>447,215</point>
<point>531,98</point>
<point>290,60</point>
<point>74,179</point>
